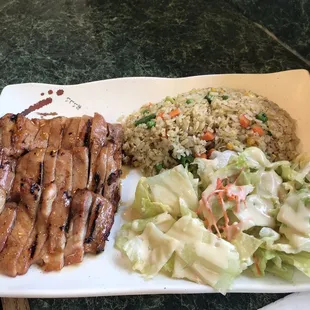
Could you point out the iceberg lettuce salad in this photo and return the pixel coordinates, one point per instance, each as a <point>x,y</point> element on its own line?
<point>211,220</point>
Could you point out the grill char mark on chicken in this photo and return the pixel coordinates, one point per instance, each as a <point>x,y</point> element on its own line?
<point>84,131</point>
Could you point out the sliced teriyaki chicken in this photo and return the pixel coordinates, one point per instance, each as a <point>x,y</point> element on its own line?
<point>99,225</point>
<point>7,124</point>
<point>20,172</point>
<point>54,257</point>
<point>34,181</point>
<point>70,134</point>
<point>7,220</point>
<point>30,192</point>
<point>57,127</point>
<point>81,203</point>
<point>98,138</point>
<point>49,170</point>
<point>59,189</point>
<point>48,196</point>
<point>80,165</point>
<point>7,173</point>
<point>101,170</point>
<point>26,256</point>
<point>41,139</point>
<point>24,132</point>
<point>84,131</point>
<point>15,242</point>
<point>114,164</point>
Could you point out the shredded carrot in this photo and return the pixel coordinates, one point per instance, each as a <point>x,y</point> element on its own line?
<point>221,202</point>
<point>230,194</point>
<point>161,115</point>
<point>244,121</point>
<point>207,136</point>
<point>256,262</point>
<point>174,113</point>
<point>210,153</point>
<point>204,155</point>
<point>258,129</point>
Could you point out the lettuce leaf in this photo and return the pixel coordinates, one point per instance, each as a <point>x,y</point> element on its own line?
<point>203,257</point>
<point>143,204</point>
<point>256,159</point>
<point>132,229</point>
<point>301,261</point>
<point>284,271</point>
<point>295,212</point>
<point>162,193</point>
<point>150,251</point>
<point>246,245</point>
<point>261,257</point>
<point>268,236</point>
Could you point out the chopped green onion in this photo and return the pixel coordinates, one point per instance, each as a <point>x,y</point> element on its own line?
<point>269,133</point>
<point>189,101</point>
<point>150,124</point>
<point>184,160</point>
<point>209,97</point>
<point>168,98</point>
<point>146,112</point>
<point>225,97</point>
<point>145,119</point>
<point>262,117</point>
<point>159,167</point>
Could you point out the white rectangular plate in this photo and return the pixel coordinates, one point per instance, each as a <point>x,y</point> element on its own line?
<point>108,273</point>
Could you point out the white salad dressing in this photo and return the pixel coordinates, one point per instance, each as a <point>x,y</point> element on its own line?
<point>256,212</point>
<point>295,214</point>
<point>269,184</point>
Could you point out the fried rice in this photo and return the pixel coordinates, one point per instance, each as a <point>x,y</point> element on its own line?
<point>193,124</point>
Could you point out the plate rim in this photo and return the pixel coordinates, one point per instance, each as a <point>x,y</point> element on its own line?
<point>90,292</point>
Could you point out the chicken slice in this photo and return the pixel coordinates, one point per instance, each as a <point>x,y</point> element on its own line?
<point>54,256</point>
<point>80,165</point>
<point>7,220</point>
<point>114,164</point>
<point>84,131</point>
<point>57,124</point>
<point>70,134</point>
<point>98,138</point>
<point>99,225</point>
<point>81,203</point>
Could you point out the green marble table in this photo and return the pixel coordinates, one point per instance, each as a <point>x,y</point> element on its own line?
<point>75,41</point>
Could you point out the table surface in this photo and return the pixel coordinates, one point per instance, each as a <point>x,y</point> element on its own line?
<point>67,42</point>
